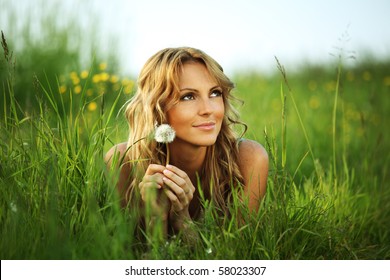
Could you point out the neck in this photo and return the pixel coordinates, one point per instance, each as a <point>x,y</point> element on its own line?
<point>189,158</point>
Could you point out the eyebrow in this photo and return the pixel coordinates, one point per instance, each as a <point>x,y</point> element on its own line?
<point>192,89</point>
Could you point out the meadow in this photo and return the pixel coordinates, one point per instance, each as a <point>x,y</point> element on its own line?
<point>324,127</point>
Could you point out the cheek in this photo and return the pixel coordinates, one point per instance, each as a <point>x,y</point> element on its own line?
<point>220,110</point>
<point>176,116</point>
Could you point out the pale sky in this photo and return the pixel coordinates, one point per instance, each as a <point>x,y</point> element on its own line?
<point>240,34</point>
<point>249,33</point>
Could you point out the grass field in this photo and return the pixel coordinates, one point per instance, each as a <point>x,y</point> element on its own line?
<point>324,127</point>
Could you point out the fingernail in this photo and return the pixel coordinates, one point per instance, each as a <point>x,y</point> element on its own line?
<point>166,172</point>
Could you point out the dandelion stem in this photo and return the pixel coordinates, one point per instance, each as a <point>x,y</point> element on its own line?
<point>167,145</point>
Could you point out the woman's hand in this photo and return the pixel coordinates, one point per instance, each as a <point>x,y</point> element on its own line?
<point>180,193</point>
<point>150,190</point>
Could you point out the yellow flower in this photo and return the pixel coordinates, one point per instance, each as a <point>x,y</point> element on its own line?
<point>126,81</point>
<point>314,103</point>
<point>114,79</point>
<point>75,80</point>
<point>77,89</point>
<point>96,78</point>
<point>89,92</point>
<point>366,76</point>
<point>73,74</point>
<point>84,74</point>
<point>330,86</point>
<point>62,89</point>
<point>92,106</point>
<point>103,66</point>
<point>104,77</point>
<point>386,81</point>
<point>128,85</point>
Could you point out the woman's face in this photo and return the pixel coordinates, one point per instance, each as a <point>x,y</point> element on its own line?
<point>198,115</point>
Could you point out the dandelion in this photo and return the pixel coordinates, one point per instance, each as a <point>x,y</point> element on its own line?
<point>89,92</point>
<point>114,79</point>
<point>77,89</point>
<point>366,76</point>
<point>92,106</point>
<point>314,103</point>
<point>13,207</point>
<point>96,78</point>
<point>386,81</point>
<point>164,134</point>
<point>104,77</point>
<point>84,74</point>
<point>62,89</point>
<point>102,66</point>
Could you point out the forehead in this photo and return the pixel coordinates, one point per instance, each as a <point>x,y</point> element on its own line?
<point>195,74</point>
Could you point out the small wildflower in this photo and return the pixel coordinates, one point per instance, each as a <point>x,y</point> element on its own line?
<point>92,106</point>
<point>366,76</point>
<point>314,103</point>
<point>104,77</point>
<point>386,81</point>
<point>102,66</point>
<point>209,251</point>
<point>77,89</point>
<point>114,79</point>
<point>89,92</point>
<point>62,89</point>
<point>84,74</point>
<point>13,207</point>
<point>164,134</point>
<point>96,78</point>
<point>76,80</point>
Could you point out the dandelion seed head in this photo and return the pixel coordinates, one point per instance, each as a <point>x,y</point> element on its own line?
<point>164,134</point>
<point>13,207</point>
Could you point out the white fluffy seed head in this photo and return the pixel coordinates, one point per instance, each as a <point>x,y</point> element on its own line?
<point>164,134</point>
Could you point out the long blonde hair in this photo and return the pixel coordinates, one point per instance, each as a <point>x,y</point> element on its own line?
<point>157,92</point>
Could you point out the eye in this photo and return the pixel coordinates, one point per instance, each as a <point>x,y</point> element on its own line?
<point>216,93</point>
<point>187,96</point>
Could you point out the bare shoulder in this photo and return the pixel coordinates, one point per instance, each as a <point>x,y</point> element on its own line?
<point>251,152</point>
<point>116,152</point>
<point>253,164</point>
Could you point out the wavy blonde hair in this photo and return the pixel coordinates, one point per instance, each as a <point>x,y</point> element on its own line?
<point>157,92</point>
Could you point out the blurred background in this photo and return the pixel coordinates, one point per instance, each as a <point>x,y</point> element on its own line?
<point>239,34</point>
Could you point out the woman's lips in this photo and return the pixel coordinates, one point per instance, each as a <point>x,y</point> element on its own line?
<point>205,126</point>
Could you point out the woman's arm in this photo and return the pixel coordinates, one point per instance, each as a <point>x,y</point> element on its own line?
<point>154,204</point>
<point>116,155</point>
<point>253,163</point>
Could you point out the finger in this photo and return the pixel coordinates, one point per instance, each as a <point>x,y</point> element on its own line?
<point>182,175</point>
<point>176,170</point>
<point>181,182</point>
<point>154,168</point>
<point>176,203</point>
<point>177,190</point>
<point>155,180</point>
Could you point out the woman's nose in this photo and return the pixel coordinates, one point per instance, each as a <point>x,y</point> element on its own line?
<point>205,107</point>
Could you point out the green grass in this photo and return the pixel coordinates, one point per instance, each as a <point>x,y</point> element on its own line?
<point>57,201</point>
<point>324,127</point>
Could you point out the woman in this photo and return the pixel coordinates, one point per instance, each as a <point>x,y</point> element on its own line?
<point>187,89</point>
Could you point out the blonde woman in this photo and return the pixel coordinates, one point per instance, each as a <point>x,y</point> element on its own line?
<point>187,89</point>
